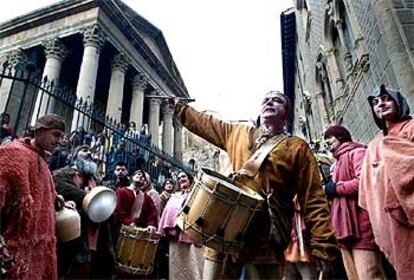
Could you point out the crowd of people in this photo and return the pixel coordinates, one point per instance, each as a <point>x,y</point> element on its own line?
<point>108,147</point>
<point>363,210</point>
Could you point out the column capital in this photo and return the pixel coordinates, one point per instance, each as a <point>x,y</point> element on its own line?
<point>139,82</point>
<point>94,36</point>
<point>54,48</point>
<point>120,63</point>
<point>17,58</point>
<point>167,110</point>
<point>155,101</point>
<point>156,92</point>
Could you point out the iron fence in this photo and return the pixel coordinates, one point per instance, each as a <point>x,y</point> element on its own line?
<point>25,97</point>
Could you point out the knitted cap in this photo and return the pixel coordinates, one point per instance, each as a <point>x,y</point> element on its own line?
<point>340,132</point>
<point>50,122</point>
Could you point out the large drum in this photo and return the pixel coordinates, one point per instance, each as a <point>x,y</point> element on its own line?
<point>218,211</point>
<point>135,250</point>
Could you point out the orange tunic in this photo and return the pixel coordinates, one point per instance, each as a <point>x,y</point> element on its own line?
<point>289,168</point>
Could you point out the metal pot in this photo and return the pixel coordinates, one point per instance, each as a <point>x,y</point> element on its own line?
<point>99,204</point>
<point>67,224</point>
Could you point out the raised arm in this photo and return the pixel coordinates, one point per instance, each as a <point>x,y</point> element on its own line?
<point>204,125</point>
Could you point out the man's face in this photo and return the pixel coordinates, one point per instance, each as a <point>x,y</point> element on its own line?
<point>140,180</point>
<point>120,171</point>
<point>65,141</point>
<point>5,119</point>
<point>384,107</point>
<point>48,139</point>
<point>183,181</point>
<point>84,153</point>
<point>121,146</point>
<point>169,187</point>
<point>273,107</point>
<point>332,143</point>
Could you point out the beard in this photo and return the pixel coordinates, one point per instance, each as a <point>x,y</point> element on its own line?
<point>86,166</point>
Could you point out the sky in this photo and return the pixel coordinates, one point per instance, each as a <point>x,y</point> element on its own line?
<point>227,51</point>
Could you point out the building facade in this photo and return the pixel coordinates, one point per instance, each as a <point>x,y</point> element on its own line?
<point>106,54</point>
<point>199,153</point>
<point>335,52</point>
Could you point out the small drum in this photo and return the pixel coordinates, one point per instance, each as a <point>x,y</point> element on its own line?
<point>135,250</point>
<point>218,211</point>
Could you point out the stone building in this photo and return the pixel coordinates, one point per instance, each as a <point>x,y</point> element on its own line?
<point>335,52</point>
<point>106,54</point>
<point>199,153</point>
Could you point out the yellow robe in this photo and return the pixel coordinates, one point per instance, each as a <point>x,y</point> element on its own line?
<point>289,168</point>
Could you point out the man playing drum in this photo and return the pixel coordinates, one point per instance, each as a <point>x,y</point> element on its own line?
<point>289,167</point>
<point>134,207</point>
<point>137,220</point>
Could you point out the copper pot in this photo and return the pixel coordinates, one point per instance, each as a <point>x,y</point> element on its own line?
<point>67,224</point>
<point>99,204</point>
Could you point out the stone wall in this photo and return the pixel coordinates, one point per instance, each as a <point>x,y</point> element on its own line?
<point>379,39</point>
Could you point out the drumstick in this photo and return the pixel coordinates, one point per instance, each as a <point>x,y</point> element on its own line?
<point>171,97</point>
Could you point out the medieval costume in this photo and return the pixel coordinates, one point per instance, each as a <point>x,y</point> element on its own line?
<point>73,256</point>
<point>185,257</point>
<point>353,231</point>
<point>90,255</point>
<point>387,188</point>
<point>289,168</point>
<point>125,199</point>
<point>27,207</point>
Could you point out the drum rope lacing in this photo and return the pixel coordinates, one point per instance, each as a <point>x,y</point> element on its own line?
<point>213,190</point>
<point>226,220</point>
<point>134,237</point>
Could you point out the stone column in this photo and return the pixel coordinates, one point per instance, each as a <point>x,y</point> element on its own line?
<point>323,110</point>
<point>397,51</point>
<point>346,53</point>
<point>56,53</point>
<point>119,66</point>
<point>139,84</point>
<point>154,120</point>
<point>17,60</point>
<point>360,46</point>
<point>178,141</point>
<point>93,40</point>
<point>337,83</point>
<point>167,130</point>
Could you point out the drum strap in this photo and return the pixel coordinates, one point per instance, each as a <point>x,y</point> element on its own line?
<point>251,167</point>
<point>137,206</point>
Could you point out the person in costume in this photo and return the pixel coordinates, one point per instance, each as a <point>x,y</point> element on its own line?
<point>167,191</point>
<point>27,203</point>
<point>81,257</point>
<point>353,231</point>
<point>386,188</point>
<point>289,167</point>
<point>135,207</point>
<point>185,256</point>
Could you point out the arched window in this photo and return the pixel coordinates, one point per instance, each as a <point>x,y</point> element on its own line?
<point>325,95</point>
<point>341,34</point>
